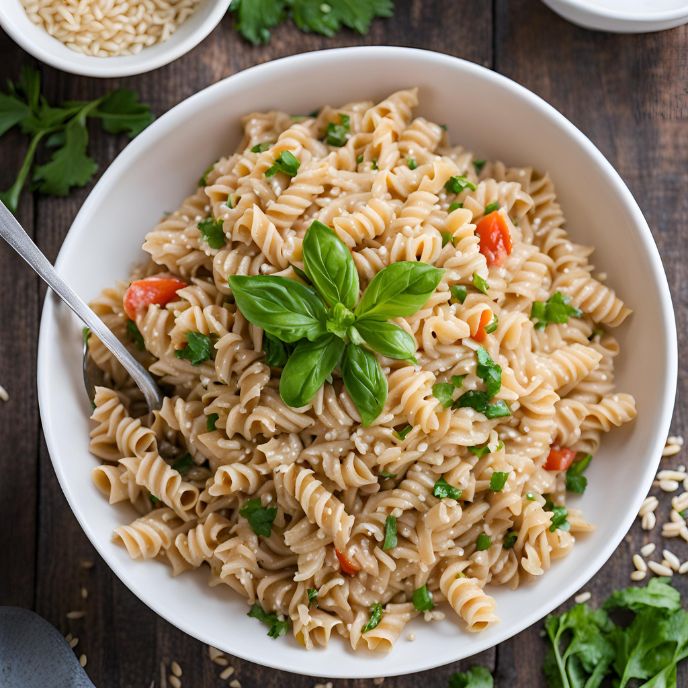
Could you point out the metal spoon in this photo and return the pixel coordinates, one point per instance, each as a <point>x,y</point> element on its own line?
<point>13,233</point>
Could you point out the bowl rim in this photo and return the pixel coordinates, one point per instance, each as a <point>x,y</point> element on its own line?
<point>665,404</point>
<point>624,16</point>
<point>106,67</point>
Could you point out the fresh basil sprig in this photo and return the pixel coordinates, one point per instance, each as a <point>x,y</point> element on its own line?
<point>326,325</point>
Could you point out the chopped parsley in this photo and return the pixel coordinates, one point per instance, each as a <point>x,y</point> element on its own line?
<point>510,538</point>
<point>530,496</point>
<point>483,542</point>
<point>359,158</point>
<point>498,480</point>
<point>199,348</point>
<point>475,677</point>
<point>575,480</point>
<point>229,202</point>
<point>457,380</point>
<point>212,230</point>
<point>203,181</point>
<point>447,238</point>
<point>276,625</point>
<point>422,599</point>
<point>479,283</point>
<point>390,533</point>
<point>373,164</point>
<point>480,401</point>
<point>287,163</point>
<point>478,165</point>
<point>459,292</point>
<point>261,147</point>
<point>557,309</point>
<point>489,372</point>
<point>492,325</point>
<point>312,596</point>
<point>183,463</point>
<point>337,134</point>
<point>559,516</point>
<point>155,501</point>
<point>480,451</point>
<point>401,434</point>
<point>375,618</point>
<point>259,517</point>
<point>85,334</point>
<point>386,475</point>
<point>210,421</point>
<point>491,207</point>
<point>454,206</point>
<point>444,393</point>
<point>135,335</point>
<point>442,490</point>
<point>458,183</point>
<point>412,164</point>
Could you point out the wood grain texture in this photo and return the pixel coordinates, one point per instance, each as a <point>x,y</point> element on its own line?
<point>627,93</point>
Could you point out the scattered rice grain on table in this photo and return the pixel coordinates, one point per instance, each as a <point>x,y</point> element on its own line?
<point>82,660</point>
<point>174,681</point>
<point>4,396</point>
<point>76,614</point>
<point>648,549</point>
<point>378,681</point>
<point>638,575</point>
<point>104,28</point>
<point>176,669</point>
<point>237,684</point>
<point>639,563</point>
<point>659,569</point>
<point>226,673</point>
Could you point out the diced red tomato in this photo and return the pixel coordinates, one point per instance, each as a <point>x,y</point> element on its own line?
<point>495,238</point>
<point>559,458</point>
<point>350,568</point>
<point>485,319</point>
<point>159,289</point>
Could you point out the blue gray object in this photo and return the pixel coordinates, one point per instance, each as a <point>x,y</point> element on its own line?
<point>33,654</point>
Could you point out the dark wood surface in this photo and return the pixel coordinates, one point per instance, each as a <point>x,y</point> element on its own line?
<point>628,93</point>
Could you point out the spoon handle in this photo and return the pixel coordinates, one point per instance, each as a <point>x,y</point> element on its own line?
<point>13,233</point>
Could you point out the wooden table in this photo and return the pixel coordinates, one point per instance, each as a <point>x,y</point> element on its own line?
<point>629,94</point>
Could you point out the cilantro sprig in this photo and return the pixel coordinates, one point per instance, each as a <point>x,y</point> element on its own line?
<point>276,626</point>
<point>260,518</point>
<point>556,310</point>
<point>199,348</point>
<point>62,131</point>
<point>475,677</point>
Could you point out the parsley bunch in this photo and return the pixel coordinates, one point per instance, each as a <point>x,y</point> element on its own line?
<point>62,130</point>
<point>313,328</point>
<point>589,649</point>
<point>255,18</point>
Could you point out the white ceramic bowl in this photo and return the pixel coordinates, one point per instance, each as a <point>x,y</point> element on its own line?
<point>491,115</point>
<point>623,16</point>
<point>35,40</point>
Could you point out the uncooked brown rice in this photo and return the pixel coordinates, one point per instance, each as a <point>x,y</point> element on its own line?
<point>105,28</point>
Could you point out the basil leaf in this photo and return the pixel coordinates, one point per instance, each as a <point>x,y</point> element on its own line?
<point>510,538</point>
<point>284,308</point>
<point>557,309</point>
<point>489,372</point>
<point>364,381</point>
<point>308,368</point>
<point>330,266</point>
<point>276,351</point>
<point>498,480</point>
<point>444,393</point>
<point>260,518</point>
<point>339,319</point>
<point>183,464</point>
<point>459,292</point>
<point>287,163</point>
<point>483,542</point>
<point>422,599</point>
<point>312,596</point>
<point>199,347</point>
<point>212,230</point>
<point>398,290</point>
<point>375,618</point>
<point>337,134</point>
<point>387,339</point>
<point>390,533</point>
<point>401,434</point>
<point>442,489</point>
<point>210,421</point>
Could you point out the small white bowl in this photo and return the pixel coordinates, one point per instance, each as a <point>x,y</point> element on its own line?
<point>485,112</point>
<point>37,41</point>
<point>623,16</point>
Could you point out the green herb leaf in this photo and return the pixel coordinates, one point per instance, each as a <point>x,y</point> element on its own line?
<point>447,238</point>
<point>284,308</point>
<point>443,490</point>
<point>203,181</point>
<point>261,147</point>
<point>454,206</point>
<point>479,283</point>
<point>359,158</point>
<point>479,401</point>
<point>422,599</point>
<point>491,207</point>
<point>210,421</point>
<point>373,164</point>
<point>401,434</point>
<point>329,265</point>
<point>492,325</point>
<point>287,163</point>
<point>276,626</point>
<point>478,165</point>
<point>457,380</point>
<point>575,480</point>
<point>276,351</point>
<point>375,618</point>
<point>339,321</point>
<point>183,463</point>
<point>212,230</point>
<point>510,538</point>
<point>387,476</point>
<point>457,184</point>
<point>489,372</point>
<point>459,292</point>
<point>12,112</point>
<point>121,112</point>
<point>259,517</point>
<point>308,367</point>
<point>444,393</point>
<point>390,533</point>
<point>412,164</point>
<point>559,517</point>
<point>557,309</point>
<point>337,134</point>
<point>327,18</point>
<point>483,542</point>
<point>658,594</point>
<point>398,290</point>
<point>135,335</point>
<point>364,381</point>
<point>498,480</point>
<point>155,501</point>
<point>255,18</point>
<point>480,451</point>
<point>475,677</point>
<point>387,339</point>
<point>199,348</point>
<point>498,409</point>
<point>312,596</point>
<point>85,334</point>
